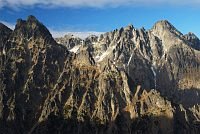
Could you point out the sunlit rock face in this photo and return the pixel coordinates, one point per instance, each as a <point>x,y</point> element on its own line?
<point>125,81</point>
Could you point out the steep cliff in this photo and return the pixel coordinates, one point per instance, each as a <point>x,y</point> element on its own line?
<point>125,81</point>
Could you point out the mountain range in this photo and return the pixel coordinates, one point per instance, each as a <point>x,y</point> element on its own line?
<point>127,80</point>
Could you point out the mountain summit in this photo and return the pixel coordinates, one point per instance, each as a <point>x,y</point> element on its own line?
<point>124,81</point>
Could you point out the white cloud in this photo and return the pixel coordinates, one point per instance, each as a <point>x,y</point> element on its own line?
<point>92,3</point>
<point>81,34</point>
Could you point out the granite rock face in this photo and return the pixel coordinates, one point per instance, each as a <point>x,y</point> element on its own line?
<point>124,81</point>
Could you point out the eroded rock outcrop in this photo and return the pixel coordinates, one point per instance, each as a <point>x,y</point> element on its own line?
<point>125,81</point>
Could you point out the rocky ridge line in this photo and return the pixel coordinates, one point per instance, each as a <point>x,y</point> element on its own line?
<point>125,81</point>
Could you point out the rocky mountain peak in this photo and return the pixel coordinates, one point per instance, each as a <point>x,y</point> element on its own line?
<point>129,27</point>
<point>191,35</point>
<point>163,26</point>
<point>193,40</point>
<point>125,81</point>
<point>32,18</point>
<point>31,27</point>
<point>69,41</point>
<point>91,38</point>
<point>4,29</point>
<point>2,26</point>
<point>163,23</point>
<point>5,33</point>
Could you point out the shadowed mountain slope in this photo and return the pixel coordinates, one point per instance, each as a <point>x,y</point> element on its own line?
<point>124,81</point>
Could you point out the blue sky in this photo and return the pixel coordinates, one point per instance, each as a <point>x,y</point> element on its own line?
<point>89,16</point>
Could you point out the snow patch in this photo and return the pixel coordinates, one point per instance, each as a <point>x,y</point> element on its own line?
<point>4,52</point>
<point>105,54</point>
<point>97,58</point>
<point>130,59</point>
<point>154,74</point>
<point>75,49</point>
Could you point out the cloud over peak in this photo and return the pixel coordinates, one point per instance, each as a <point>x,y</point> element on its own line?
<point>93,3</point>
